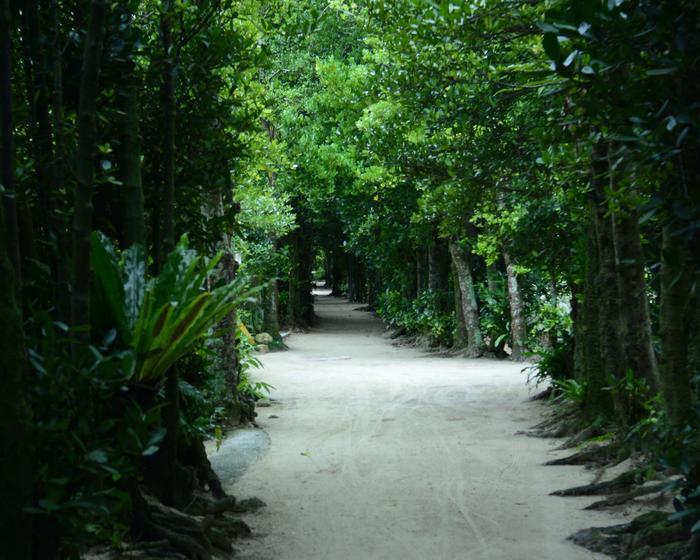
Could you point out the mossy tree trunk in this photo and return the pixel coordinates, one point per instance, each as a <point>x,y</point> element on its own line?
<point>470,308</point>
<point>518,328</point>
<point>460,334</point>
<point>588,365</point>
<point>612,328</point>
<point>633,297</point>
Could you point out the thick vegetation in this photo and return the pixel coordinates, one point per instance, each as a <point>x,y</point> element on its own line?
<point>503,178</point>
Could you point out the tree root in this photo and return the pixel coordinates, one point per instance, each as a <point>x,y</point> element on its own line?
<point>626,497</point>
<point>648,536</point>
<point>614,486</point>
<point>555,428</point>
<point>599,455</point>
<point>206,529</point>
<point>580,437</point>
<point>542,395</point>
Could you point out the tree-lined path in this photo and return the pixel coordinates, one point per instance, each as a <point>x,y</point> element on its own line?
<point>379,452</point>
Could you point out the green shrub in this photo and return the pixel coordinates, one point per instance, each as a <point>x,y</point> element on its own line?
<point>494,313</point>
<point>424,316</point>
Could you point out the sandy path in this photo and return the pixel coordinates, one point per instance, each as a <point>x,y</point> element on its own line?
<point>390,453</point>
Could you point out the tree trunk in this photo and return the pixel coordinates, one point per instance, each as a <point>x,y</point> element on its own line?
<point>9,197</point>
<point>634,300</point>
<point>460,334</point>
<point>16,452</point>
<point>610,323</point>
<point>438,266</point>
<point>587,334</point>
<point>38,98</point>
<point>271,324</point>
<point>518,333</point>
<point>166,243</point>
<point>675,293</point>
<point>61,269</point>
<point>134,214</point>
<point>229,326</point>
<point>294,297</point>
<point>167,198</point>
<point>87,139</point>
<point>470,309</point>
<point>338,273</point>
<point>421,280</point>
<point>168,450</point>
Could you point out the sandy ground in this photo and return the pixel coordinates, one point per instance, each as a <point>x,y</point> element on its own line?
<point>378,452</point>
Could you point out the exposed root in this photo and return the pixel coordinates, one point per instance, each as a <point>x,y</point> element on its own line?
<point>626,497</point>
<point>542,395</point>
<point>557,428</point>
<point>648,536</point>
<point>205,531</point>
<point>580,437</point>
<point>599,455</point>
<point>614,486</point>
<point>250,505</point>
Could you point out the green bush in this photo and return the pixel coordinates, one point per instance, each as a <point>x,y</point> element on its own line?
<point>494,313</point>
<point>91,431</point>
<point>423,316</point>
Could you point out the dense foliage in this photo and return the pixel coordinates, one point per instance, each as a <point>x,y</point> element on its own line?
<point>515,179</point>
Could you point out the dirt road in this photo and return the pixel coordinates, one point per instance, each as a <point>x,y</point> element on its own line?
<point>390,453</point>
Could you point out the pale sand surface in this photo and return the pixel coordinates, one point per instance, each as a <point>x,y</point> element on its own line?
<point>380,452</point>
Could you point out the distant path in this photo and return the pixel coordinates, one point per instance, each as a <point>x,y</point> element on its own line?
<point>390,453</point>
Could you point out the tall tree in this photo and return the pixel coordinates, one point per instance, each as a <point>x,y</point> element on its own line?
<point>16,465</point>
<point>87,141</point>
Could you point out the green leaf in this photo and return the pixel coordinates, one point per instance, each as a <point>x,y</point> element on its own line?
<point>96,456</point>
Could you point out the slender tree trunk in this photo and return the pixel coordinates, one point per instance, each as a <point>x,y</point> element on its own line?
<point>9,197</point>
<point>229,270</point>
<point>271,322</point>
<point>38,96</point>
<point>470,308</point>
<point>372,287</point>
<point>518,332</point>
<point>634,300</point>
<point>338,269</point>
<point>87,140</point>
<point>421,280</point>
<point>460,335</point>
<point>438,266</point>
<point>167,199</point>
<point>134,213</point>
<point>229,326</point>
<point>352,277</point>
<point>675,294</point>
<point>16,452</point>
<point>306,273</point>
<point>294,311</point>
<point>61,268</point>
